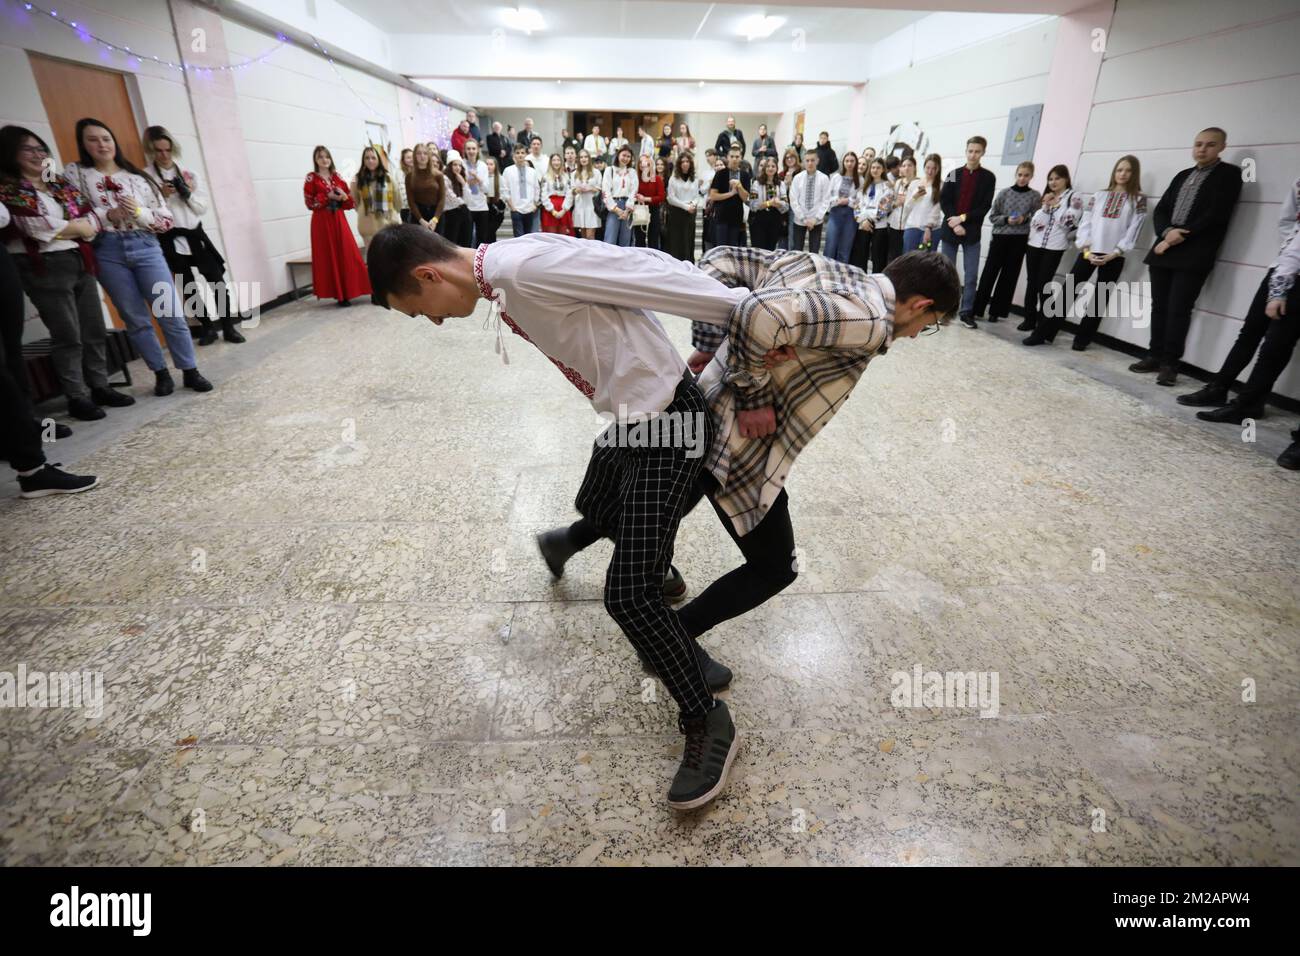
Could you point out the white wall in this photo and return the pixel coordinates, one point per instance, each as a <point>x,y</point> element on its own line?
<point>1162,80</point>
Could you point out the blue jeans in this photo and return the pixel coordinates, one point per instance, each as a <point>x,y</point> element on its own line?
<point>618,231</point>
<point>912,239</point>
<point>841,227</point>
<point>524,223</point>
<point>135,275</point>
<point>970,267</point>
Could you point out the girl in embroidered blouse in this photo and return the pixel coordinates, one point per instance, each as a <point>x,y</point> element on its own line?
<point>132,211</point>
<point>337,271</point>
<point>51,223</point>
<point>557,198</point>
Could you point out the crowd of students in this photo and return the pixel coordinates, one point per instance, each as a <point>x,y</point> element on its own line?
<point>103,221</point>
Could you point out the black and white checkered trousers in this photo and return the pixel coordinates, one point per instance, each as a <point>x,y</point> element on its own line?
<point>637,497</point>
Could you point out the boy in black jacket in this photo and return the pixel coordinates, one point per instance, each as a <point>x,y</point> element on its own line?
<point>966,198</point>
<point>1190,220</point>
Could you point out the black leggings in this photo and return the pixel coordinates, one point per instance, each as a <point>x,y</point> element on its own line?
<point>769,566</point>
<point>20,433</point>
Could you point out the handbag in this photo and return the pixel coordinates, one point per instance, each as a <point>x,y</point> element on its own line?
<point>641,215</point>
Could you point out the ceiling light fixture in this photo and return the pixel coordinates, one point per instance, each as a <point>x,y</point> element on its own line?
<point>759,27</point>
<point>525,19</point>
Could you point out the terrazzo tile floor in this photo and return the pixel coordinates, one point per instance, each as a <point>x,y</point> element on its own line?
<point>326,637</point>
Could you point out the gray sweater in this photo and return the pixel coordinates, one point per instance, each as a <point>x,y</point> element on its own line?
<point>1014,201</point>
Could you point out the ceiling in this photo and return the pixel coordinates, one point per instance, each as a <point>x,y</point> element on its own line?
<point>631,19</point>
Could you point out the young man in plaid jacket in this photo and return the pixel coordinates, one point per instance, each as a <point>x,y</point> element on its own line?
<point>773,377</point>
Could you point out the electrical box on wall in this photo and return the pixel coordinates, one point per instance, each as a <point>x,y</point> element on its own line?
<point>1022,133</point>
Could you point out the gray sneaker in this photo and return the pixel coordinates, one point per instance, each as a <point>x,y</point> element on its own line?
<point>717,676</point>
<point>711,745</point>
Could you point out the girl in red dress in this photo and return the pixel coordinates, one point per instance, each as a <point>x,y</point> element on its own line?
<point>337,271</point>
<point>557,198</point>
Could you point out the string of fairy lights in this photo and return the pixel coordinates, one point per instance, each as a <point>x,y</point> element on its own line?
<point>437,127</point>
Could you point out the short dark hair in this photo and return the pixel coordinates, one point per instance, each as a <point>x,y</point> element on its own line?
<point>979,140</point>
<point>397,249</point>
<point>928,274</point>
<point>520,148</point>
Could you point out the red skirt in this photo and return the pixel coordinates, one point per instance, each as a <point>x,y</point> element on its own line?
<point>337,271</point>
<point>563,225</point>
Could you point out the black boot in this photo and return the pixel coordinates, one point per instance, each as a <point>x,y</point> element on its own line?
<point>1025,326</point>
<point>1290,459</point>
<point>1232,413</point>
<point>206,334</point>
<point>110,397</point>
<point>194,380</point>
<point>1211,396</point>
<point>556,549</point>
<point>1168,375</point>
<point>163,384</point>
<point>229,332</point>
<point>84,409</point>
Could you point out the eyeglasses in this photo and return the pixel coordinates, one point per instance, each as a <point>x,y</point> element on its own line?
<point>37,150</point>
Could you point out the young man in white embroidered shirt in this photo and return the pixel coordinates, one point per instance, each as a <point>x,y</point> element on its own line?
<point>810,200</point>
<point>586,307</point>
<point>521,190</point>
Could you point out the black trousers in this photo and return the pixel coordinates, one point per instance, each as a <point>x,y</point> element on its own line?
<point>20,433</point>
<point>765,228</point>
<point>860,255</point>
<point>637,495</point>
<point>880,248</point>
<point>1041,270</point>
<point>769,566</point>
<point>679,234</point>
<point>1093,310</point>
<point>1000,275</point>
<point>799,231</point>
<point>482,223</point>
<point>1279,337</point>
<point>456,225</point>
<point>651,235</point>
<point>1173,296</point>
<point>895,244</point>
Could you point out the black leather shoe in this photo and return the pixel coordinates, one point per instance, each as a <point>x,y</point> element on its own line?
<point>1168,375</point>
<point>1145,365</point>
<point>230,332</point>
<point>84,409</point>
<point>111,398</point>
<point>163,384</point>
<point>1025,326</point>
<point>194,380</point>
<point>1077,346</point>
<point>1290,459</point>
<point>1035,339</point>
<point>1232,414</point>
<point>1211,396</point>
<point>556,549</point>
<point>60,430</point>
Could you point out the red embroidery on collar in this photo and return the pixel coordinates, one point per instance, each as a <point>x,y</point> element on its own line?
<point>485,288</point>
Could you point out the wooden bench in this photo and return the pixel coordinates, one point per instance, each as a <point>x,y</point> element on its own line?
<point>40,367</point>
<point>293,276</point>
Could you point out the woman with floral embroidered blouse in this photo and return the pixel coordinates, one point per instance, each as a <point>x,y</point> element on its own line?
<point>132,212</point>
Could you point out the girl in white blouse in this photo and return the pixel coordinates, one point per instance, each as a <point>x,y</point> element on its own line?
<point>131,264</point>
<point>186,245</point>
<point>922,214</point>
<point>841,220</point>
<point>767,206</point>
<point>557,198</point>
<point>586,186</point>
<point>1107,231</point>
<point>619,186</point>
<point>682,204</point>
<point>1050,232</point>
